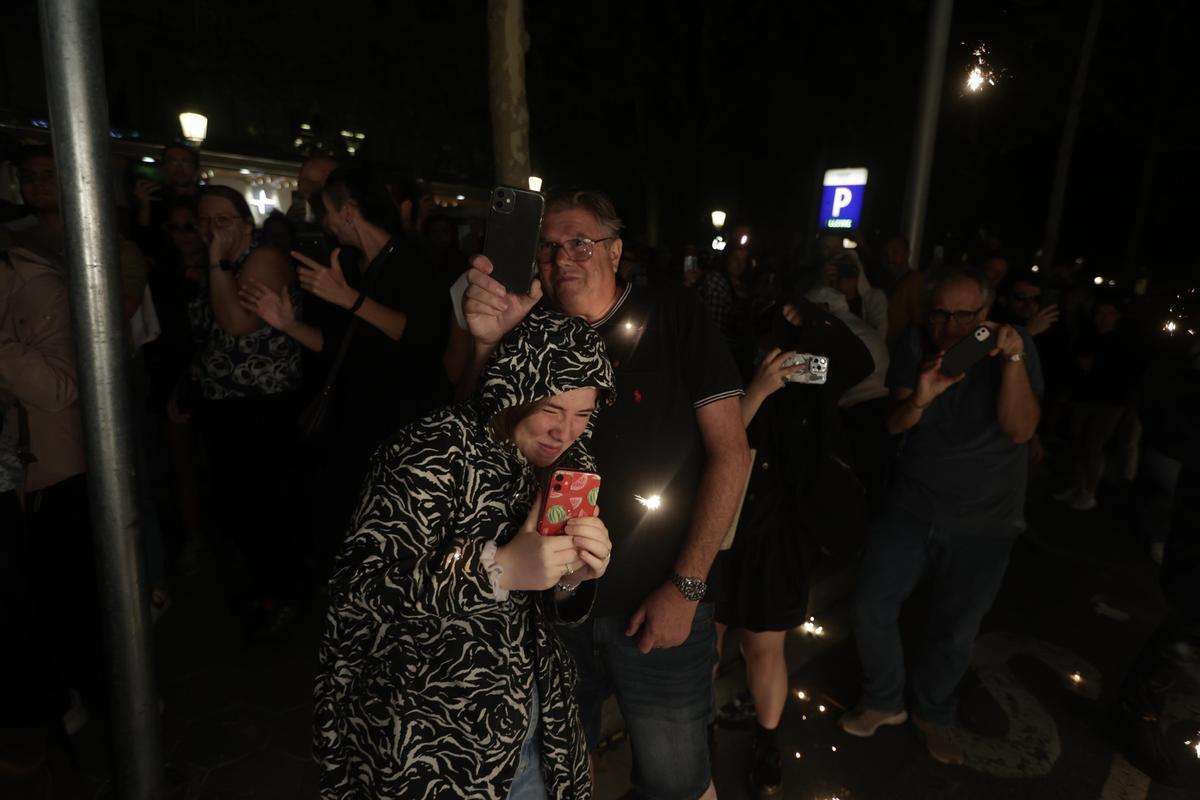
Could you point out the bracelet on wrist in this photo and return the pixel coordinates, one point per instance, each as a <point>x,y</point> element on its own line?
<point>358,303</point>
<point>569,588</point>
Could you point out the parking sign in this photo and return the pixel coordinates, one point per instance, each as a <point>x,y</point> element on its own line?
<point>842,197</point>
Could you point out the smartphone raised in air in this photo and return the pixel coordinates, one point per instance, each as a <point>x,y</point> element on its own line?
<point>510,241</point>
<point>967,351</point>
<point>570,493</point>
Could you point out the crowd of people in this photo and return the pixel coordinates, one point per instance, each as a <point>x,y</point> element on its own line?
<point>352,418</point>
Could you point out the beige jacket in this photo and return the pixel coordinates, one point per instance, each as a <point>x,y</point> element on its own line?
<point>37,365</point>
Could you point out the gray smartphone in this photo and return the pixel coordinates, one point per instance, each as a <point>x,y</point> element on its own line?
<point>967,351</point>
<point>810,368</point>
<point>510,240</point>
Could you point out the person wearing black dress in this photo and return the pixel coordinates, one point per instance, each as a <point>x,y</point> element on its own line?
<point>803,495</point>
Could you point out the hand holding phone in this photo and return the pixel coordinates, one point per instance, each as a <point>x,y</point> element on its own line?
<point>510,241</point>
<point>570,494</point>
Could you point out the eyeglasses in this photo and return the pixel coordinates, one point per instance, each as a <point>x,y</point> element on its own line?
<point>940,316</point>
<point>578,249</point>
<point>218,222</point>
<point>182,227</point>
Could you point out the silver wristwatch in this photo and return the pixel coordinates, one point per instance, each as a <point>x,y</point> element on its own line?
<point>691,588</point>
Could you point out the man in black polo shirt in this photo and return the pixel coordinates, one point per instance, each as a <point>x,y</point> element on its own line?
<point>673,455</point>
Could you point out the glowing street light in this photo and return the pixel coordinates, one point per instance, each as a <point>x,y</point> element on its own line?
<point>718,219</point>
<point>535,183</point>
<point>194,126</point>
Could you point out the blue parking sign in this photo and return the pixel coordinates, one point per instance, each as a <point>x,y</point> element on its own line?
<point>842,197</point>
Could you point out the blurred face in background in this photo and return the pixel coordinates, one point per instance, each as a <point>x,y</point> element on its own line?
<point>185,233</point>
<point>1106,316</point>
<point>995,269</point>
<point>737,263</point>
<point>1025,300</point>
<point>179,167</point>
<point>39,183</point>
<point>896,255</point>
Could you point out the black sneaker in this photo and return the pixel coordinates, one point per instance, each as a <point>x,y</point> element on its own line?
<point>766,774</point>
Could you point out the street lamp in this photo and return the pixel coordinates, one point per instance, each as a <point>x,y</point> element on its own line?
<point>718,219</point>
<point>535,183</point>
<point>195,127</point>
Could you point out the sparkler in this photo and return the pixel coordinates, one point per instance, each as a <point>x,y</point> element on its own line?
<point>653,502</point>
<point>981,73</point>
<point>1076,678</point>
<point>811,627</point>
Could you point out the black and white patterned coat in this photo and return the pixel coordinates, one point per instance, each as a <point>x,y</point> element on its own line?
<point>425,678</point>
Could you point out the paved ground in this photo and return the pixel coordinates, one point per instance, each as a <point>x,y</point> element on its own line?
<point>1080,597</point>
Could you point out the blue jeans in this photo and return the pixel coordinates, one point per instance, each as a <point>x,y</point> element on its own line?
<point>527,783</point>
<point>666,699</point>
<point>966,569</point>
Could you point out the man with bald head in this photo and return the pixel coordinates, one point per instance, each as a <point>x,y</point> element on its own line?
<point>953,509</point>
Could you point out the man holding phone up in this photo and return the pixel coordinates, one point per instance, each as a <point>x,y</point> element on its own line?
<point>955,505</point>
<point>673,455</point>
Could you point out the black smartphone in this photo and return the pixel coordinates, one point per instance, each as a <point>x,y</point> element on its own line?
<point>967,351</point>
<point>510,241</point>
<point>313,244</point>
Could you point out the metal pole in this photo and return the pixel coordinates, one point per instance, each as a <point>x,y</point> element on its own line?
<point>1062,165</point>
<point>79,125</point>
<point>916,195</point>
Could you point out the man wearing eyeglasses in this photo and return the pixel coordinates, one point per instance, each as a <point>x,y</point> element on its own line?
<point>673,455</point>
<point>952,511</point>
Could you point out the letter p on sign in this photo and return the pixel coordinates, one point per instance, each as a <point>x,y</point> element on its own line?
<point>841,199</point>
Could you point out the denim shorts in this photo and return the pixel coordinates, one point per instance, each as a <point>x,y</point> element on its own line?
<point>665,696</point>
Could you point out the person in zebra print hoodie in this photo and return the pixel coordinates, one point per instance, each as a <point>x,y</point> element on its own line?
<point>441,674</point>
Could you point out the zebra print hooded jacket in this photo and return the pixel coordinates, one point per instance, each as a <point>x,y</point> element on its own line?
<point>425,681</point>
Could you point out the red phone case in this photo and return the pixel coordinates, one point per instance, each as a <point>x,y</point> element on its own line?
<point>571,493</point>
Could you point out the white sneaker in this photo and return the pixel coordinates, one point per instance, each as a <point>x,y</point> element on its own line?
<point>1083,502</point>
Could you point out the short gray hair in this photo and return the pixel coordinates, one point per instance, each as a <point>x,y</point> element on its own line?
<point>952,273</point>
<point>597,203</point>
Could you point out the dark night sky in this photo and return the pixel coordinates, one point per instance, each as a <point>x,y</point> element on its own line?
<point>697,104</point>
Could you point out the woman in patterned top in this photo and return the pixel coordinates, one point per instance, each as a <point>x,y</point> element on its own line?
<point>441,675</point>
<point>247,375</point>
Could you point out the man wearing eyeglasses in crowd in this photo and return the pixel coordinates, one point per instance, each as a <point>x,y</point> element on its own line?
<point>673,455</point>
<point>954,507</point>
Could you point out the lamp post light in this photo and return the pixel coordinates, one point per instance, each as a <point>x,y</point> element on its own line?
<point>195,127</point>
<point>535,183</point>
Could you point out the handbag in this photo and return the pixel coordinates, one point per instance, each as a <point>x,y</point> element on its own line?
<point>314,416</point>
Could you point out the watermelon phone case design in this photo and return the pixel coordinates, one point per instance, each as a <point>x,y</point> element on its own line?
<point>571,493</point>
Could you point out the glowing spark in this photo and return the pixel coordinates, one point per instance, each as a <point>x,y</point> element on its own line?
<point>800,695</point>
<point>804,717</point>
<point>811,627</point>
<point>1034,268</point>
<point>1076,678</point>
<point>1196,747</point>
<point>1099,279</point>
<point>1170,327</point>
<point>744,239</point>
<point>821,709</point>
<point>975,79</point>
<point>799,754</point>
<point>652,502</point>
<point>833,748</point>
